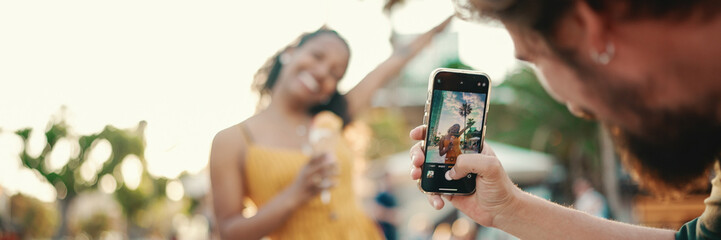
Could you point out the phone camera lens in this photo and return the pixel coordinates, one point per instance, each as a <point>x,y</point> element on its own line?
<point>484,84</point>
<point>479,84</point>
<point>461,82</point>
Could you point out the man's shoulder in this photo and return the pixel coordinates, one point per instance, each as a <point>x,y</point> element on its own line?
<point>696,230</point>
<point>708,225</point>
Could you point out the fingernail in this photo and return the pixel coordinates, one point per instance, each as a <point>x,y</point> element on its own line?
<point>436,204</point>
<point>448,175</point>
<point>413,157</point>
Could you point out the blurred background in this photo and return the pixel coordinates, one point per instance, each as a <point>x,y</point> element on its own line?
<point>108,110</point>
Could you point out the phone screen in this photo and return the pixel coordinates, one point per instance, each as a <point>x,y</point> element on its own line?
<point>456,118</point>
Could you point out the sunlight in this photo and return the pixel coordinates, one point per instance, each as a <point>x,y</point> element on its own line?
<point>30,182</point>
<point>88,172</point>
<point>36,142</point>
<point>132,170</point>
<point>9,153</point>
<point>442,232</point>
<point>99,152</point>
<point>59,155</point>
<point>108,184</point>
<point>175,191</point>
<point>461,227</point>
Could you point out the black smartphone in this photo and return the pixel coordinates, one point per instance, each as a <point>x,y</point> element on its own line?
<point>455,116</point>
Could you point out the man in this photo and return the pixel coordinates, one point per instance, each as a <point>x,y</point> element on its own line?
<point>648,70</point>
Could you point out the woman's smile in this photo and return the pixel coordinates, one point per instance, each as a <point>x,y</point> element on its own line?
<point>306,79</point>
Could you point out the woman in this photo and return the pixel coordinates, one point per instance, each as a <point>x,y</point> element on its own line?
<point>450,144</point>
<point>262,158</point>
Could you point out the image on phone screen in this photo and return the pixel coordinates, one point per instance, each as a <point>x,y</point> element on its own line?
<point>454,127</point>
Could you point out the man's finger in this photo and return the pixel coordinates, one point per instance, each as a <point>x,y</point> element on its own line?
<point>415,173</point>
<point>436,201</point>
<point>483,165</point>
<point>417,155</point>
<point>418,133</point>
<point>487,150</point>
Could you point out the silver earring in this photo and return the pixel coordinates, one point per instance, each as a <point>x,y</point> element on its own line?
<point>284,58</point>
<point>604,57</point>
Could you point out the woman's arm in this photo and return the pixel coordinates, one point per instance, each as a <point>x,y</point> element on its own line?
<point>229,192</point>
<point>462,131</point>
<point>359,98</point>
<point>443,148</point>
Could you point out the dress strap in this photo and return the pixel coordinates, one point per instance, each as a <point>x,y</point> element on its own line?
<point>246,133</point>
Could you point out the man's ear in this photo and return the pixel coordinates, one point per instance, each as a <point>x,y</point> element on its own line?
<point>583,29</point>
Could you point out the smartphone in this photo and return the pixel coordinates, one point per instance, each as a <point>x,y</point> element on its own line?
<point>455,116</point>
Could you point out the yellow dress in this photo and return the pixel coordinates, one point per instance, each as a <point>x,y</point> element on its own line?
<point>455,150</point>
<point>268,171</point>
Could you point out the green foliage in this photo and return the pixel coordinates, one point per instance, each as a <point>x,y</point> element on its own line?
<point>97,224</point>
<point>124,142</point>
<point>470,122</point>
<point>389,133</point>
<point>134,200</point>
<point>457,64</point>
<point>38,220</point>
<point>469,134</point>
<point>465,109</point>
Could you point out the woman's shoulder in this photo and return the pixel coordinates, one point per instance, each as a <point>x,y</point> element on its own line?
<point>229,142</point>
<point>227,135</point>
<point>237,134</point>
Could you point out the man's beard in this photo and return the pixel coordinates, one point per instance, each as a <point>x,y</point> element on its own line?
<point>672,155</point>
<point>674,149</point>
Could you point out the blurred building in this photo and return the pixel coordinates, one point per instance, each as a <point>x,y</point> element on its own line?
<point>408,93</point>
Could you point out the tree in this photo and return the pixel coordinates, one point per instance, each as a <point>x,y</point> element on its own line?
<point>468,134</point>
<point>32,218</point>
<point>464,111</point>
<point>526,116</point>
<point>67,180</point>
<point>470,122</point>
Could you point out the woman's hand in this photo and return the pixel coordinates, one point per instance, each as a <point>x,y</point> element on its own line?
<point>315,176</point>
<point>414,47</point>
<point>494,190</point>
<point>359,98</point>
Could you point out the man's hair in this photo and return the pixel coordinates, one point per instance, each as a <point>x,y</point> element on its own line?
<point>542,16</point>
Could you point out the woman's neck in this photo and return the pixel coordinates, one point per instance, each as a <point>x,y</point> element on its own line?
<point>290,113</point>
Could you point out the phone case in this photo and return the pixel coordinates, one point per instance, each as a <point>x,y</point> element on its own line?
<point>426,116</point>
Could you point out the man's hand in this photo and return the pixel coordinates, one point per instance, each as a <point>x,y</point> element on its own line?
<point>494,190</point>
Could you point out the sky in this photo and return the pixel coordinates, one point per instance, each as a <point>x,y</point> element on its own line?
<point>452,103</point>
<point>185,67</point>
